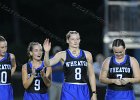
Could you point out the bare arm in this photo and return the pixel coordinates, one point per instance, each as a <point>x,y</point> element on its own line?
<point>25,80</point>
<point>91,73</point>
<point>13,61</point>
<point>55,59</point>
<point>136,72</point>
<point>104,72</point>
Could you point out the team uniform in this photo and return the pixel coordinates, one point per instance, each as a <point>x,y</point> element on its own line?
<point>37,90</point>
<point>118,71</point>
<point>6,90</point>
<point>75,73</point>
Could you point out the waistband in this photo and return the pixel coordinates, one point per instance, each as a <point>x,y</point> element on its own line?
<point>76,83</point>
<point>6,84</point>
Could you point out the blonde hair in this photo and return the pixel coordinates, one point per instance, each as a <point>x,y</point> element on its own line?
<point>2,38</point>
<point>30,48</point>
<point>69,33</point>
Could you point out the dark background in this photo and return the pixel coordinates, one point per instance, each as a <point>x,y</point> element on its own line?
<point>23,21</point>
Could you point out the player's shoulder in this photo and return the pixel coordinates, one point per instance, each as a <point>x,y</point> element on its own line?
<point>133,59</point>
<point>107,60</point>
<point>24,66</point>
<point>12,56</point>
<point>87,52</point>
<point>60,53</point>
<point>63,52</point>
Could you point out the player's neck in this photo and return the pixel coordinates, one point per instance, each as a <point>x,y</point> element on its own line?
<point>120,59</point>
<point>75,51</point>
<point>36,63</point>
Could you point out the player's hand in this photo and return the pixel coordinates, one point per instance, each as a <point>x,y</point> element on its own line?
<point>117,82</point>
<point>42,73</point>
<point>33,71</point>
<point>47,45</point>
<point>124,81</point>
<point>94,96</point>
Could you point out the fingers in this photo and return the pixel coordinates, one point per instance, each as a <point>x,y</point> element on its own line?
<point>47,43</point>
<point>33,71</point>
<point>118,82</point>
<point>42,72</point>
<point>123,81</point>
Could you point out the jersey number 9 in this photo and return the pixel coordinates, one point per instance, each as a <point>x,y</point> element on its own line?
<point>37,85</point>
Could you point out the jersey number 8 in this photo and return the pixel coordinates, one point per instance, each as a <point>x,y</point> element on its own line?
<point>78,73</point>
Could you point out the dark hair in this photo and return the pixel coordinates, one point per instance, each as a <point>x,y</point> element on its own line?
<point>30,48</point>
<point>69,33</point>
<point>118,42</point>
<point>2,38</point>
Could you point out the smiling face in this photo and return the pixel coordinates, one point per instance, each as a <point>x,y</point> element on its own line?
<point>118,47</point>
<point>74,40</point>
<point>36,52</point>
<point>119,52</point>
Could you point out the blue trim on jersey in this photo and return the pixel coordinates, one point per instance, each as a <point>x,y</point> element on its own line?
<point>5,56</point>
<point>40,67</point>
<point>80,55</point>
<point>35,96</point>
<point>6,92</point>
<point>30,64</point>
<point>75,92</point>
<point>84,54</point>
<point>119,95</point>
<point>114,60</point>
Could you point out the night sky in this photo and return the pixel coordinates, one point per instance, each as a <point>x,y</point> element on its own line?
<point>23,21</point>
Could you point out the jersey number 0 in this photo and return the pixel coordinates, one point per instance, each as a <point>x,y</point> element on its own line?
<point>3,77</point>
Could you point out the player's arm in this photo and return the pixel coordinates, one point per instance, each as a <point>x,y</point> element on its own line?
<point>25,79</point>
<point>104,72</point>
<point>13,62</point>
<point>136,72</point>
<point>47,77</point>
<point>54,60</point>
<point>91,74</point>
<point>49,62</point>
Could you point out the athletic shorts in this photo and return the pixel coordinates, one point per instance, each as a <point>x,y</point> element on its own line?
<point>72,91</point>
<point>35,96</point>
<point>119,95</point>
<point>6,92</point>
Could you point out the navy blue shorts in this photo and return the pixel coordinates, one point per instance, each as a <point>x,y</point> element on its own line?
<point>119,95</point>
<point>72,91</point>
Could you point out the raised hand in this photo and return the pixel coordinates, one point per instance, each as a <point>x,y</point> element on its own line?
<point>47,45</point>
